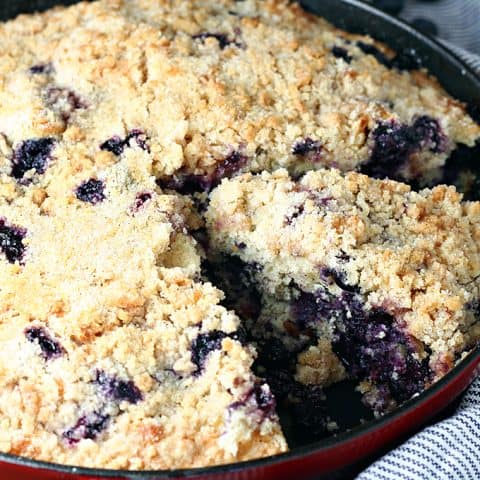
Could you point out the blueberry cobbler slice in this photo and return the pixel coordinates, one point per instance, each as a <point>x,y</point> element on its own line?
<point>113,354</point>
<point>357,277</point>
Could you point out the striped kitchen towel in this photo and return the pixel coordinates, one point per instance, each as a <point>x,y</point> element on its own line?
<point>457,23</point>
<point>449,450</point>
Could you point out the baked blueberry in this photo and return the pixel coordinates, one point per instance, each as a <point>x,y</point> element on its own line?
<point>222,38</point>
<point>33,154</point>
<point>203,345</point>
<point>114,145</point>
<point>140,139</point>
<point>370,49</point>
<point>232,163</point>
<point>408,59</point>
<point>429,134</point>
<point>304,309</point>
<point>234,277</point>
<point>117,145</point>
<point>89,426</point>
<point>50,347</point>
<point>372,346</point>
<point>189,184</point>
<point>340,52</point>
<point>261,398</point>
<point>91,191</point>
<point>11,241</point>
<point>41,69</point>
<point>329,275</point>
<point>394,142</point>
<point>117,389</point>
<point>307,146</point>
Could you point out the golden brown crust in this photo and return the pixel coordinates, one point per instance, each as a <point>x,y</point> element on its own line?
<point>265,82</point>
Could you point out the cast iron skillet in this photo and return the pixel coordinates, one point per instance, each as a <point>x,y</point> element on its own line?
<point>332,456</point>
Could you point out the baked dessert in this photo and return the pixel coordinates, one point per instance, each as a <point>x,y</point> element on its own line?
<point>117,349</point>
<point>211,88</point>
<point>360,277</point>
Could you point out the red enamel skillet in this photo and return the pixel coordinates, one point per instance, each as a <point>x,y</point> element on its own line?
<point>337,456</point>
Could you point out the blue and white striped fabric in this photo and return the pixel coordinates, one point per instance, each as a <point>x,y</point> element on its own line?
<point>458,21</point>
<point>449,450</point>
